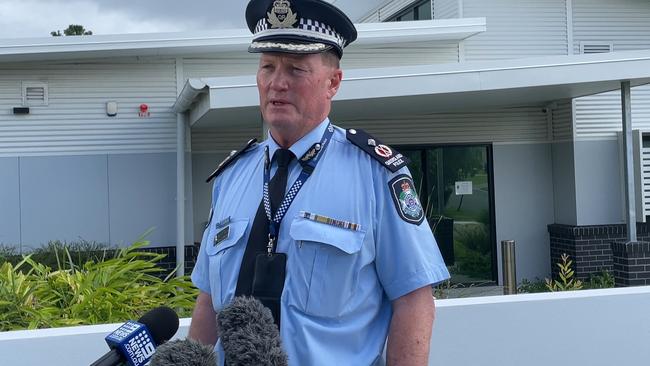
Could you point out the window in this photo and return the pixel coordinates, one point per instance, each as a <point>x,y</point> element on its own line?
<point>420,10</point>
<point>34,93</point>
<point>455,188</point>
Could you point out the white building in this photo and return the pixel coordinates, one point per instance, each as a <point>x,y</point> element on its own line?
<point>494,97</point>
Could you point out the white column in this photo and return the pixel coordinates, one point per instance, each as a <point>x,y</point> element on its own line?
<point>630,204</point>
<point>180,194</point>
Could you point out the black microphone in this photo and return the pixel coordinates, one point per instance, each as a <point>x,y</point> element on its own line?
<point>186,352</point>
<point>248,334</point>
<point>134,342</point>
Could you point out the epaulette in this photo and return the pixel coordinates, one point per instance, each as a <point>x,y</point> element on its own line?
<point>230,159</point>
<point>387,156</point>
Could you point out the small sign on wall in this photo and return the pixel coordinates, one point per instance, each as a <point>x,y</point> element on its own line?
<point>463,187</point>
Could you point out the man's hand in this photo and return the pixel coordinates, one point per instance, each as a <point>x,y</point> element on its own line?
<point>410,329</point>
<point>203,328</point>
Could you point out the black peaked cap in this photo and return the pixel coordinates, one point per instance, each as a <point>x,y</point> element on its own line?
<point>298,26</point>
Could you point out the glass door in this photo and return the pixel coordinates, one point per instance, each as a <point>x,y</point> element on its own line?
<point>455,187</point>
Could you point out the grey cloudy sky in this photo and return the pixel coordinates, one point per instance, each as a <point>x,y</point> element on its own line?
<point>36,18</point>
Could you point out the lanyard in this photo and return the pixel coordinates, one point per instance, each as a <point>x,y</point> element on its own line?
<point>308,162</point>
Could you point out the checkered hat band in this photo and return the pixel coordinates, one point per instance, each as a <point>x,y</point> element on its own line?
<point>306,27</point>
<point>309,47</point>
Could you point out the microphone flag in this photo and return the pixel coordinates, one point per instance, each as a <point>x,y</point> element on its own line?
<point>134,342</point>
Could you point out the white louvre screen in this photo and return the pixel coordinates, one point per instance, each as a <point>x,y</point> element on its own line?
<point>34,94</point>
<point>600,47</point>
<point>641,173</point>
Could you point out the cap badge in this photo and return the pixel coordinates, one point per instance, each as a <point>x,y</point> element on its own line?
<point>281,15</point>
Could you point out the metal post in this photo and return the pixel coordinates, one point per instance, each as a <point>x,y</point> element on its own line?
<point>509,267</point>
<point>180,194</point>
<point>630,203</point>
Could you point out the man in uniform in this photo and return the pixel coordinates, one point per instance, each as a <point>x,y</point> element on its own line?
<point>321,224</point>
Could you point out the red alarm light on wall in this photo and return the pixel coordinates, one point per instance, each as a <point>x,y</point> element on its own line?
<point>144,110</point>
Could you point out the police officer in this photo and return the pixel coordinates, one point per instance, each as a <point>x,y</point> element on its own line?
<point>322,224</point>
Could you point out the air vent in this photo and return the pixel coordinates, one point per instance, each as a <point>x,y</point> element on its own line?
<point>34,93</point>
<point>596,47</point>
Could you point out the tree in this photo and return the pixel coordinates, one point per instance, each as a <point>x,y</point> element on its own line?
<point>72,30</point>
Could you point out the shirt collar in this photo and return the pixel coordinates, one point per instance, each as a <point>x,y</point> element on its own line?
<point>300,147</point>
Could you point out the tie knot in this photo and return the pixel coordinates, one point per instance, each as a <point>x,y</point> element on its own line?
<point>283,157</point>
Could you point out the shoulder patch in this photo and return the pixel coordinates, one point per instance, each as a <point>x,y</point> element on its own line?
<point>230,159</point>
<point>406,199</point>
<point>387,156</point>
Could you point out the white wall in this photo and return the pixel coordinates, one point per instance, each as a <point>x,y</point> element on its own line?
<point>75,121</point>
<point>518,124</point>
<point>626,23</point>
<point>523,195</point>
<point>446,9</point>
<point>592,327</point>
<point>564,183</point>
<point>517,29</point>
<point>598,183</point>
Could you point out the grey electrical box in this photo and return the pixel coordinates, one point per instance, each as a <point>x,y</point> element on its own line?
<point>111,109</point>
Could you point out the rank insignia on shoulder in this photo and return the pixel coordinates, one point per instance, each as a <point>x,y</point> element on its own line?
<point>387,156</point>
<point>230,159</point>
<point>406,200</point>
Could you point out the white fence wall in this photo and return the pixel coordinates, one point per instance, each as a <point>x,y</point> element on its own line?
<point>594,327</point>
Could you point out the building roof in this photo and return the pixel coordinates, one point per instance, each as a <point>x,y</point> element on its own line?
<point>179,44</point>
<point>426,89</point>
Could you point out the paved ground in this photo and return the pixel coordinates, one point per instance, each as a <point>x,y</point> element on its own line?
<point>472,291</point>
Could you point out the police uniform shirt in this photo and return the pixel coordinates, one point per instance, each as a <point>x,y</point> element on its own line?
<point>350,250</point>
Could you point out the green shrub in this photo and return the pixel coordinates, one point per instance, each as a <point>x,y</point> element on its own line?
<point>528,287</point>
<point>107,290</point>
<point>82,251</point>
<point>603,279</point>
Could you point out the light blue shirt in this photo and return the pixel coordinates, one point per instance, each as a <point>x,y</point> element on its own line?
<point>336,303</point>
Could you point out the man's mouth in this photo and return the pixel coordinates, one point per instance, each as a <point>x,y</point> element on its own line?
<point>278,102</point>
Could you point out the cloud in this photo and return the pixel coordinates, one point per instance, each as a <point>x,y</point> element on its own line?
<point>36,18</point>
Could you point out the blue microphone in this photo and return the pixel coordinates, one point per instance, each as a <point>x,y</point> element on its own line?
<point>134,343</point>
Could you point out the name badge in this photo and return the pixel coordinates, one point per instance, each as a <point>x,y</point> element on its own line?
<point>221,235</point>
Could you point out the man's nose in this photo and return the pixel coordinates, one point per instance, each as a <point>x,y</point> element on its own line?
<point>279,80</point>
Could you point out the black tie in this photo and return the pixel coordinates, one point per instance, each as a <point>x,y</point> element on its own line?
<point>259,236</point>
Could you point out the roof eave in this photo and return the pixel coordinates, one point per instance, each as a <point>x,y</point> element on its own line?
<point>157,44</point>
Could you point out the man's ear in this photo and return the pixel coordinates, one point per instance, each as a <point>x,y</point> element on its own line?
<point>334,82</point>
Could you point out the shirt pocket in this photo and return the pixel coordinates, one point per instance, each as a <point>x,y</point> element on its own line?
<point>327,258</point>
<point>222,241</point>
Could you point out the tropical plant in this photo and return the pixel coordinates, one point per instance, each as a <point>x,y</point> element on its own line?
<point>33,295</point>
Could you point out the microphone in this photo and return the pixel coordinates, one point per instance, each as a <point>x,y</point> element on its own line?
<point>186,352</point>
<point>248,334</point>
<point>135,342</point>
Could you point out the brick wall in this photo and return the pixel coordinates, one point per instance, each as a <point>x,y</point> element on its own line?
<point>169,262</point>
<point>590,247</point>
<point>631,263</point>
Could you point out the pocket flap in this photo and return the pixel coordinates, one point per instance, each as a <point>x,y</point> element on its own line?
<point>225,236</point>
<point>347,240</point>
